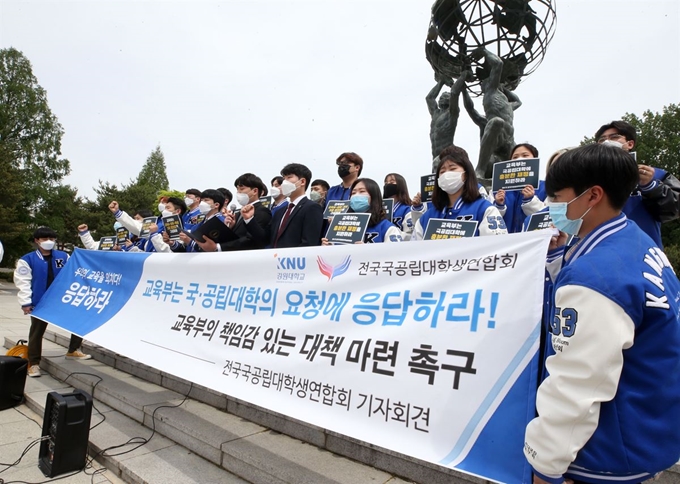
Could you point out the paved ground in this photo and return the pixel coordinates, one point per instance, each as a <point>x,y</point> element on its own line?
<point>20,426</point>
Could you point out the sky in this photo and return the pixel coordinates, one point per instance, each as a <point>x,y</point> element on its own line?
<point>228,87</point>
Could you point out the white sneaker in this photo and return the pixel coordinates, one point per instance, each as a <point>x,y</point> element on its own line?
<point>34,371</point>
<point>77,355</point>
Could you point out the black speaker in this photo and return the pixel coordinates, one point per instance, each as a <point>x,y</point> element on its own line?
<point>12,380</point>
<point>67,424</point>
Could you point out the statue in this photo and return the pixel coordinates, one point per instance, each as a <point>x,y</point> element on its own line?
<point>445,114</point>
<point>496,129</point>
<point>503,41</point>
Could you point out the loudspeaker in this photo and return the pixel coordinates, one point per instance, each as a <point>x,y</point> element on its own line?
<point>12,380</point>
<point>67,424</point>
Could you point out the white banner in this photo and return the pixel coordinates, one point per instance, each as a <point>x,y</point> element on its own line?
<point>424,348</point>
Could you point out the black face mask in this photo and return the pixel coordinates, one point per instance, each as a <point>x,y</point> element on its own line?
<point>390,190</point>
<point>343,170</point>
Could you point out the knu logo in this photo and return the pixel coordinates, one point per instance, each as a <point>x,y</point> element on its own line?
<point>291,263</point>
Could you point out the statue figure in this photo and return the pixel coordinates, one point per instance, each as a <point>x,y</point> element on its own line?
<point>445,114</point>
<point>496,127</point>
<point>513,15</point>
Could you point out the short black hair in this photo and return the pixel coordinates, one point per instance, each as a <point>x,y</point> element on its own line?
<point>228,196</point>
<point>322,183</point>
<point>531,148</point>
<point>608,167</point>
<point>277,179</point>
<point>44,233</point>
<point>299,170</point>
<point>251,181</point>
<point>193,191</point>
<point>178,203</point>
<point>623,128</point>
<point>215,195</point>
<point>144,213</point>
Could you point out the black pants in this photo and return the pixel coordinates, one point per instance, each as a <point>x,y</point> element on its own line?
<point>35,335</point>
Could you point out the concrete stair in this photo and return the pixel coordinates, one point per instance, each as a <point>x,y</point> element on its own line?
<point>211,437</point>
<point>214,438</point>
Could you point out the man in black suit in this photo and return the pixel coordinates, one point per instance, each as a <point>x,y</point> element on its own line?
<point>300,223</point>
<point>249,189</point>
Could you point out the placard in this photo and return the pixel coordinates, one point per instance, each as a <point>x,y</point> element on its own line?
<point>348,228</point>
<point>427,184</point>
<point>442,228</point>
<point>335,207</point>
<point>515,174</point>
<point>107,243</point>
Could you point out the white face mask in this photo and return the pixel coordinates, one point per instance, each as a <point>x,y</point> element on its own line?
<point>451,181</point>
<point>274,192</point>
<point>161,207</point>
<point>189,201</point>
<point>314,196</point>
<point>287,187</point>
<point>166,213</point>
<point>47,244</point>
<point>203,207</point>
<point>242,199</point>
<point>611,142</point>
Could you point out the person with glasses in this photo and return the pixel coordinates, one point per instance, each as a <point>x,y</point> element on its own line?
<point>608,407</point>
<point>349,169</point>
<point>656,198</point>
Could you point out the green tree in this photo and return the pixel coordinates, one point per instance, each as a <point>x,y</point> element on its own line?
<point>29,129</point>
<point>658,142</point>
<point>153,174</point>
<point>13,229</point>
<point>658,145</point>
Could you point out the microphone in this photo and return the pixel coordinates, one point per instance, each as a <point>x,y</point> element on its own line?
<point>232,207</point>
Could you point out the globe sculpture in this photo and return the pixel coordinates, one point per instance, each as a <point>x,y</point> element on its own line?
<point>484,47</point>
<point>517,31</point>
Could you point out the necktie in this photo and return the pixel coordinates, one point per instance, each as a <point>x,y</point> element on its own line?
<point>284,221</point>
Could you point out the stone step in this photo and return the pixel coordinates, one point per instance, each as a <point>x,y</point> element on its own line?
<point>254,443</point>
<point>393,463</point>
<point>159,460</point>
<point>244,451</point>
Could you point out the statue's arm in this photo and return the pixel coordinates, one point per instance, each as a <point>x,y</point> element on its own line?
<point>512,98</point>
<point>431,98</point>
<point>495,64</point>
<point>458,87</point>
<point>477,118</point>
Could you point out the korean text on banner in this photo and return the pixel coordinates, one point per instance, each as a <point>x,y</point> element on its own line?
<point>430,353</point>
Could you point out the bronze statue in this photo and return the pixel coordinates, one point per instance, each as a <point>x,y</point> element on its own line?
<point>445,114</point>
<point>497,131</point>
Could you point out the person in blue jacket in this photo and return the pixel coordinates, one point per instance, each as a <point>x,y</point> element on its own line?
<point>456,196</point>
<point>349,169</point>
<point>516,205</point>
<point>609,407</point>
<point>34,273</point>
<point>367,198</point>
<point>656,198</point>
<point>396,188</point>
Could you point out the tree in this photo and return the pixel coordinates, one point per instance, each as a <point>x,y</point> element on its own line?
<point>658,145</point>
<point>153,174</point>
<point>13,230</point>
<point>28,129</point>
<point>658,142</point>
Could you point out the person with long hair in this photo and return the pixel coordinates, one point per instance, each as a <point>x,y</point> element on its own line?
<point>367,198</point>
<point>456,196</point>
<point>395,187</point>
